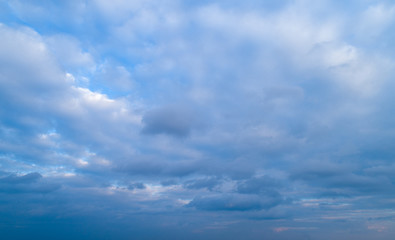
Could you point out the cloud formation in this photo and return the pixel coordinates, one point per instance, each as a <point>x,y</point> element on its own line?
<point>28,183</point>
<point>234,202</point>
<point>172,120</point>
<point>198,120</point>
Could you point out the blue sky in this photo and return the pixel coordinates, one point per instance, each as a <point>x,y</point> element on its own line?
<point>197,119</point>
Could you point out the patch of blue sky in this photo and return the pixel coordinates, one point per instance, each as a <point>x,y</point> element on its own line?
<point>225,119</point>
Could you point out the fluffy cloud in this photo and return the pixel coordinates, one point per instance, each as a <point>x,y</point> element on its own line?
<point>47,98</point>
<point>209,117</point>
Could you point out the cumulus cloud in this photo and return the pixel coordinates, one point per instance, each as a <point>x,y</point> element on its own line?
<point>47,99</point>
<point>164,115</point>
<point>68,52</point>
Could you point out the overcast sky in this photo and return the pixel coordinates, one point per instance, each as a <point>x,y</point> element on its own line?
<point>185,119</point>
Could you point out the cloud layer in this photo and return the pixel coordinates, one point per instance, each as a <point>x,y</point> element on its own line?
<point>200,120</point>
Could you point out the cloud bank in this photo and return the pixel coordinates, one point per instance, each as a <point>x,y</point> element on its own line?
<point>199,120</point>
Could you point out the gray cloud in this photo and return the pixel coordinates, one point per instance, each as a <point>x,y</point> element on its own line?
<point>27,178</point>
<point>137,185</point>
<point>342,180</point>
<point>172,120</point>
<point>208,183</point>
<point>255,111</point>
<point>260,185</point>
<point>234,202</point>
<point>159,167</point>
<point>28,183</point>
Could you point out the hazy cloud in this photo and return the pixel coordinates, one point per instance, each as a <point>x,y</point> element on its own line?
<point>28,183</point>
<point>234,202</point>
<point>172,120</point>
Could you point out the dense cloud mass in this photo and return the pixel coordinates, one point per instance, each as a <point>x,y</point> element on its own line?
<point>174,121</point>
<point>197,119</point>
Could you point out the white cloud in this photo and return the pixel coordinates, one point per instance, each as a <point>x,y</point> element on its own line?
<point>114,76</point>
<point>292,28</point>
<point>68,52</point>
<point>252,92</point>
<point>375,20</point>
<point>41,97</point>
<point>118,10</point>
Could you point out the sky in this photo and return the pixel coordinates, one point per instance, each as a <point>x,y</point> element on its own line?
<point>184,119</point>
